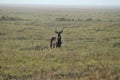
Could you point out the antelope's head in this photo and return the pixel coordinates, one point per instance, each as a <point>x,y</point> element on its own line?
<point>59,32</point>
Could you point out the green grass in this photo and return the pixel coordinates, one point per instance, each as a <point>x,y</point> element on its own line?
<point>90,49</point>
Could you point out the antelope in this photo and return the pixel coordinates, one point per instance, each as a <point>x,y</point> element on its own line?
<point>56,42</point>
<point>53,42</point>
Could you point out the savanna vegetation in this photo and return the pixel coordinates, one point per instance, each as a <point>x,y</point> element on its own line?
<point>90,43</point>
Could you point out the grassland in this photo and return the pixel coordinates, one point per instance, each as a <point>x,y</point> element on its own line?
<point>90,48</point>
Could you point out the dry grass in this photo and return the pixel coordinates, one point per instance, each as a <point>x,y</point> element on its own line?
<point>90,49</point>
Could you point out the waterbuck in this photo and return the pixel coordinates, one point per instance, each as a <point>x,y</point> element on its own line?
<point>56,42</point>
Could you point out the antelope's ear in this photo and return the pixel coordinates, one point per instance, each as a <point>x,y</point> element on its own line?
<point>56,31</point>
<point>61,31</point>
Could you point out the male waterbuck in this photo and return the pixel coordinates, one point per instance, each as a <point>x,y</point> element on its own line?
<point>56,42</point>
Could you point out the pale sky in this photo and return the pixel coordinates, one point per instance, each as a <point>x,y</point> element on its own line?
<point>66,2</point>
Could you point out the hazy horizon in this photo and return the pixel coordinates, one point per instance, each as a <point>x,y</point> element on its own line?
<point>63,2</point>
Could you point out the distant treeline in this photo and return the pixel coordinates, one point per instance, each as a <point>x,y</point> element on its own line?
<point>9,18</point>
<point>72,19</point>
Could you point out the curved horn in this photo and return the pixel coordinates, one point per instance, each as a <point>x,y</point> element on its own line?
<point>62,30</point>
